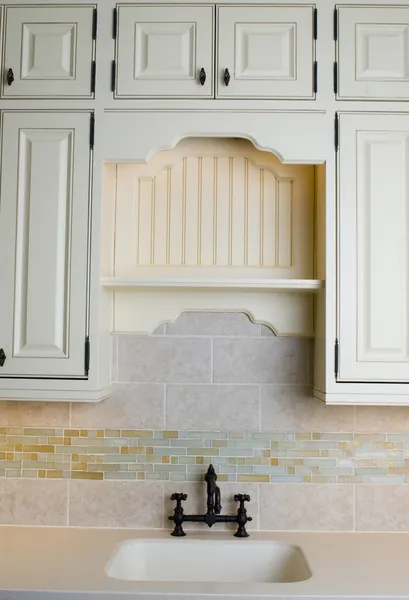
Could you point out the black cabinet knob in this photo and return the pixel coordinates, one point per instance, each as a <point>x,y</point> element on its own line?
<point>10,76</point>
<point>202,76</point>
<point>226,77</point>
<point>2,357</point>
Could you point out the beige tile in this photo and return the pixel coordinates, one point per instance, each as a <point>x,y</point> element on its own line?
<point>33,502</point>
<point>382,508</point>
<point>34,414</point>
<point>382,419</point>
<point>263,360</point>
<point>114,358</point>
<point>163,360</point>
<point>196,502</point>
<point>132,405</point>
<point>213,323</point>
<point>303,507</point>
<point>292,408</point>
<point>198,407</point>
<point>116,504</point>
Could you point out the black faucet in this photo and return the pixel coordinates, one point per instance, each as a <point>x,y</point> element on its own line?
<point>214,508</point>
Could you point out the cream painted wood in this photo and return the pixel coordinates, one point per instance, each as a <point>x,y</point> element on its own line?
<point>268,51</point>
<point>50,51</point>
<point>373,52</point>
<point>162,49</point>
<point>44,214</point>
<point>141,311</point>
<point>214,208</point>
<point>373,248</point>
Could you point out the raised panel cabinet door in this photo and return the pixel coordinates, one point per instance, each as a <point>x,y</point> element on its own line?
<point>48,51</point>
<point>373,208</point>
<point>44,222</point>
<point>165,51</point>
<point>373,52</point>
<point>265,51</point>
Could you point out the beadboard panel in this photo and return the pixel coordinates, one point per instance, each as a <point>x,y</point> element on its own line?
<point>214,208</point>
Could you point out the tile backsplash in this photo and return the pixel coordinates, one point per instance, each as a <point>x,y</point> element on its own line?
<point>209,387</point>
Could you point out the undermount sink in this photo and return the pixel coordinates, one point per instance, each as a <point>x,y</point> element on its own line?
<point>215,561</point>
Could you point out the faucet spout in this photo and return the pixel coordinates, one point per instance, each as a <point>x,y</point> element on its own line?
<point>213,492</point>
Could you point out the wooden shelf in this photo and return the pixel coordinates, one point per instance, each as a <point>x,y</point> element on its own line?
<point>284,285</point>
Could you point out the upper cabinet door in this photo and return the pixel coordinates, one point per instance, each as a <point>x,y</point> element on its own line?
<point>44,220</point>
<point>373,52</point>
<point>48,51</point>
<point>165,51</point>
<point>373,207</point>
<point>265,51</point>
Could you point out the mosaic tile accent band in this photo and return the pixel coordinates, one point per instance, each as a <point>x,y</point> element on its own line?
<point>238,456</point>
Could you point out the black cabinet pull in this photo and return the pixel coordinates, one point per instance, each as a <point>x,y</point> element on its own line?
<point>202,76</point>
<point>226,77</point>
<point>10,76</point>
<point>2,357</point>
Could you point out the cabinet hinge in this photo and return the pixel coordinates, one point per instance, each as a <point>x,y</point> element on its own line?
<point>336,24</point>
<point>315,24</point>
<point>315,77</point>
<point>336,358</point>
<point>336,132</point>
<point>335,78</point>
<point>94,24</point>
<point>113,76</point>
<point>86,355</point>
<point>93,76</point>
<point>92,131</point>
<point>115,23</point>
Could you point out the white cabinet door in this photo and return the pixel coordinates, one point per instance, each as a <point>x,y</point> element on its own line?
<point>373,209</point>
<point>165,51</point>
<point>265,51</point>
<point>48,51</point>
<point>373,52</point>
<point>44,213</point>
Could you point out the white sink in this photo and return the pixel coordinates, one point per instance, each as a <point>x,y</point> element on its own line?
<point>222,561</point>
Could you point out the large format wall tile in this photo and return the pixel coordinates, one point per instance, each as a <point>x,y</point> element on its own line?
<point>196,502</point>
<point>263,360</point>
<point>33,414</point>
<point>116,504</point>
<point>160,359</point>
<point>33,502</point>
<point>382,508</point>
<point>213,324</point>
<point>292,408</point>
<point>382,419</point>
<point>131,406</point>
<point>306,507</point>
<point>210,406</point>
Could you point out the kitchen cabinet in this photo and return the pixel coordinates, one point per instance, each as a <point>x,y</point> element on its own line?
<point>165,51</point>
<point>262,51</point>
<point>373,52</point>
<point>48,51</point>
<point>265,51</point>
<point>373,207</point>
<point>44,238</point>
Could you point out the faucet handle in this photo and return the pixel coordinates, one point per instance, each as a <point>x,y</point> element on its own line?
<point>179,498</point>
<point>177,516</point>
<point>242,498</point>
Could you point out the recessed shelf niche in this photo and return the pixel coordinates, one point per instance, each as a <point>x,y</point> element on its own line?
<point>213,224</point>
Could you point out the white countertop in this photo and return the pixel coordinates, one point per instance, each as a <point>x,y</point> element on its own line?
<point>57,559</point>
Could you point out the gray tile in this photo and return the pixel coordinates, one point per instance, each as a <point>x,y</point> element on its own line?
<point>114,357</point>
<point>131,406</point>
<point>198,407</point>
<point>292,408</point>
<point>33,502</point>
<point>213,323</point>
<point>263,360</point>
<point>160,359</point>
<point>382,508</point>
<point>303,507</point>
<point>116,504</point>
